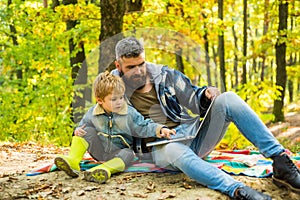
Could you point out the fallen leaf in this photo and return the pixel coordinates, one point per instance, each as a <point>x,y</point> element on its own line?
<point>150,187</point>
<point>80,193</point>
<point>186,185</point>
<point>138,195</point>
<point>90,188</point>
<point>167,195</point>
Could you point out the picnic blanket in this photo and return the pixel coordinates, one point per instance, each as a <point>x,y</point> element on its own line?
<point>234,162</point>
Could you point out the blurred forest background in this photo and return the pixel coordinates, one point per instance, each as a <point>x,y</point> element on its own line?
<point>51,51</point>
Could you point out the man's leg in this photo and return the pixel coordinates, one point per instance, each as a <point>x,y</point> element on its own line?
<point>229,107</point>
<point>177,156</point>
<point>250,125</point>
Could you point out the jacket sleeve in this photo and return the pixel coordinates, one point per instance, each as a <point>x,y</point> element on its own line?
<point>87,119</point>
<point>141,127</point>
<point>185,93</point>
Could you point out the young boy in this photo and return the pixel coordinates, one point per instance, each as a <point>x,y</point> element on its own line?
<point>106,132</point>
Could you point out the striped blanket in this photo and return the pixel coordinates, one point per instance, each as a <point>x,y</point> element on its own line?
<point>234,162</point>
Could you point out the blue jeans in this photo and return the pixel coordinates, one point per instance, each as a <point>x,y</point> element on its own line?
<point>228,107</point>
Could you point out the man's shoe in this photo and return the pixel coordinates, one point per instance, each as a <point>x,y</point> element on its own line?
<point>286,173</point>
<point>247,193</point>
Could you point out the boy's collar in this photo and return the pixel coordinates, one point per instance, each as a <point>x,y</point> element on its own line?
<point>98,110</point>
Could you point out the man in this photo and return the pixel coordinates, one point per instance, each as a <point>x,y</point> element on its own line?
<point>168,97</point>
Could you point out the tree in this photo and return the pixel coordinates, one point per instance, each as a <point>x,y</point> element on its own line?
<point>206,47</point>
<point>112,13</point>
<point>221,48</point>
<point>265,30</point>
<point>13,35</point>
<point>244,75</point>
<point>281,60</point>
<point>76,62</point>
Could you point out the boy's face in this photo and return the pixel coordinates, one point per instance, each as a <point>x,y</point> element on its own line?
<point>112,102</point>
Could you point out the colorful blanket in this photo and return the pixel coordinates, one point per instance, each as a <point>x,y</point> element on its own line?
<point>234,162</point>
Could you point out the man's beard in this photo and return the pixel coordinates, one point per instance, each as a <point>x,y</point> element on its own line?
<point>134,84</point>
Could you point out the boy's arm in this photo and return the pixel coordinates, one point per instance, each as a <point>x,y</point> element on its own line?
<point>145,128</point>
<point>84,122</point>
<point>79,131</point>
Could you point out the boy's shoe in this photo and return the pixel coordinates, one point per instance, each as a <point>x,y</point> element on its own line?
<point>62,163</point>
<point>247,193</point>
<point>286,173</point>
<point>98,175</point>
<point>101,173</point>
<point>70,163</point>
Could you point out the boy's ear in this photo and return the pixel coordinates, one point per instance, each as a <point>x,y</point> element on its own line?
<point>99,101</point>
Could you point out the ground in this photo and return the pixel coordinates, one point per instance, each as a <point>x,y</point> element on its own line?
<point>17,159</point>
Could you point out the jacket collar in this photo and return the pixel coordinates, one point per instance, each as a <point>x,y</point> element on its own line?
<point>98,110</point>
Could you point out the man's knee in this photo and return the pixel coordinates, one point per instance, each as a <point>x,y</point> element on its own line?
<point>174,150</point>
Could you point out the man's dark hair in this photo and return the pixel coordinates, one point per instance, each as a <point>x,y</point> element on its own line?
<point>129,47</point>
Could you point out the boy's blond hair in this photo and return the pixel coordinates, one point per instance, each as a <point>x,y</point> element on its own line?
<point>106,84</point>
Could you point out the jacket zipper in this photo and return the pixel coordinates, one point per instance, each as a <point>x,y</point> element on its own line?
<point>109,132</point>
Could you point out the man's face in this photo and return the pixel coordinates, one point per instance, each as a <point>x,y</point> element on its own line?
<point>133,71</point>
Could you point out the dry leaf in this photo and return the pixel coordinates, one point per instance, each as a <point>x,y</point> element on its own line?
<point>138,195</point>
<point>167,195</point>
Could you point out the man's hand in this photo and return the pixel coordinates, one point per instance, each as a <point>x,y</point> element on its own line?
<point>79,131</point>
<point>166,133</point>
<point>212,92</point>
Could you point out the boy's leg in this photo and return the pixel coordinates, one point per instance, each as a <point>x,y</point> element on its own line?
<point>95,149</point>
<point>103,172</point>
<point>70,163</point>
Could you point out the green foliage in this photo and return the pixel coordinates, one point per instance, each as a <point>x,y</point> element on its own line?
<point>259,95</point>
<point>233,139</point>
<point>36,106</point>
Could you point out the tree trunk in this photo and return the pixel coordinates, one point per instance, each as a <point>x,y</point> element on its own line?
<point>236,60</point>
<point>281,61</point>
<point>244,74</point>
<point>215,55</point>
<point>265,30</point>
<point>54,4</point>
<point>112,13</point>
<point>13,31</point>
<point>292,61</point>
<point>134,5</point>
<point>206,47</point>
<point>221,49</point>
<point>78,76</point>
<point>179,62</point>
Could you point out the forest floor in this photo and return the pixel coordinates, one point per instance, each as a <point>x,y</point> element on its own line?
<point>18,159</point>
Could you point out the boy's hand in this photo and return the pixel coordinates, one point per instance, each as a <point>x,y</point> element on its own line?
<point>79,131</point>
<point>166,133</point>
